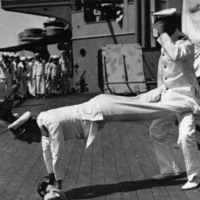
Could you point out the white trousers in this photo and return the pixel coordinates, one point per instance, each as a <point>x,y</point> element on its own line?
<point>40,84</point>
<point>159,131</point>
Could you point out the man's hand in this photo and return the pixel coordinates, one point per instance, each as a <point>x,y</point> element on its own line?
<point>44,183</point>
<point>159,26</point>
<point>55,194</point>
<point>51,187</point>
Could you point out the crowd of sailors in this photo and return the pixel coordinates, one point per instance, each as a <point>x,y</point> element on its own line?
<point>35,76</point>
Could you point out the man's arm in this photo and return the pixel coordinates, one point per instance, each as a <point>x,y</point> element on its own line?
<point>46,147</point>
<point>176,50</point>
<point>160,74</point>
<point>58,151</point>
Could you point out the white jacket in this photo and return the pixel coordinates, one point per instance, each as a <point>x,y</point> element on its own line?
<point>176,73</point>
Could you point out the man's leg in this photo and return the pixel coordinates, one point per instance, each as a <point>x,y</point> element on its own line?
<point>90,130</point>
<point>118,108</point>
<point>159,133</point>
<point>187,142</point>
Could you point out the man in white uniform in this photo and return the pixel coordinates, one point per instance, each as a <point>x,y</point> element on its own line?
<point>39,74</point>
<point>83,121</point>
<point>22,77</point>
<point>65,65</point>
<point>6,72</point>
<point>175,72</point>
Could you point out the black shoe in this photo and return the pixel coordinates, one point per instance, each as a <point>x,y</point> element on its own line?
<point>166,176</point>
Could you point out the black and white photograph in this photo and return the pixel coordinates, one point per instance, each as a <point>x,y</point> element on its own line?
<point>99,99</point>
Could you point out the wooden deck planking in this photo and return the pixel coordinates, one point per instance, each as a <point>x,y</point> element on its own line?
<point>159,192</point>
<point>30,181</point>
<point>136,173</point>
<point>5,148</point>
<point>20,174</point>
<point>15,175</point>
<point>98,173</point>
<point>34,195</point>
<point>160,188</point>
<point>110,171</point>
<point>123,167</point>
<point>84,175</point>
<point>73,169</point>
<point>143,185</point>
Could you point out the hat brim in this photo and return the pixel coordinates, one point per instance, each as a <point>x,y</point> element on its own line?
<point>20,121</point>
<point>165,13</point>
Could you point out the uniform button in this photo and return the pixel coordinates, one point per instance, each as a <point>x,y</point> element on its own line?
<point>167,88</point>
<point>163,54</point>
<point>165,78</point>
<point>165,67</point>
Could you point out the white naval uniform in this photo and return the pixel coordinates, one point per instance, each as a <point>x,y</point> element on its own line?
<point>23,82</point>
<point>6,75</point>
<point>176,74</point>
<point>39,74</point>
<point>30,75</point>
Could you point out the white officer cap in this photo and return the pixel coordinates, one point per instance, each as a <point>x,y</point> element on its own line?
<point>5,54</point>
<point>20,121</point>
<point>16,126</point>
<point>55,57</point>
<point>29,57</point>
<point>37,55</point>
<point>23,58</point>
<point>165,13</point>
